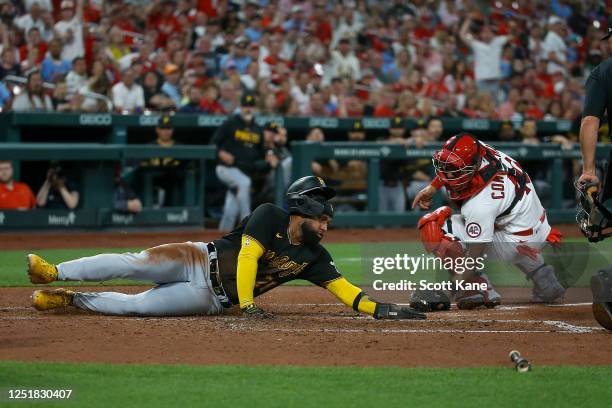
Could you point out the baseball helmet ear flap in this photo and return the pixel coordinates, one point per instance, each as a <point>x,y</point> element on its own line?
<point>311,206</point>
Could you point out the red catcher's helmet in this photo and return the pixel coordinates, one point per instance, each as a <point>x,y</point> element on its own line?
<point>457,163</point>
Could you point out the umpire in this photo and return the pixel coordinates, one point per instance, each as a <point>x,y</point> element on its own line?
<point>240,154</point>
<point>594,218</point>
<point>598,99</point>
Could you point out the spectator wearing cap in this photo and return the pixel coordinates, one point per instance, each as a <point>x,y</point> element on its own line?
<point>70,29</point>
<point>33,98</point>
<point>554,48</point>
<point>54,67</point>
<point>241,155</point>
<point>128,96</point>
<point>171,86</point>
<point>487,56</point>
<point>392,196</point>
<point>343,61</point>
<point>238,57</point>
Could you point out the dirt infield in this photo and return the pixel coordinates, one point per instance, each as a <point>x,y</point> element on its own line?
<point>311,327</point>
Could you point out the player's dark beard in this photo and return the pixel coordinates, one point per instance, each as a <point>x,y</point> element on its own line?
<point>310,237</point>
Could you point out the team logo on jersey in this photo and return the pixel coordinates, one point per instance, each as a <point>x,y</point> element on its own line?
<point>278,235</point>
<point>247,242</point>
<point>473,229</point>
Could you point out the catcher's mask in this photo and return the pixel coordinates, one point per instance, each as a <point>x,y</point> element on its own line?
<point>593,218</point>
<point>457,163</point>
<point>308,196</point>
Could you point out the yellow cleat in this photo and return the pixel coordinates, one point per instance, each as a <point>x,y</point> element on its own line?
<point>41,271</point>
<point>46,299</point>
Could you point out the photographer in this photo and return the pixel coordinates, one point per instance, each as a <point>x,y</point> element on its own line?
<point>56,192</point>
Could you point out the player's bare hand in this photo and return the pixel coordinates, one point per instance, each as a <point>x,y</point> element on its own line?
<point>588,177</point>
<point>272,159</point>
<point>256,313</point>
<point>424,198</point>
<point>226,157</point>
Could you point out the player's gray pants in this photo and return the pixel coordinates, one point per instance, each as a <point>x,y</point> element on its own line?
<point>392,198</point>
<point>180,270</point>
<point>237,198</point>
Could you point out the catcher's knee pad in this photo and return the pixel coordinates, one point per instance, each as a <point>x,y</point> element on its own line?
<point>434,238</point>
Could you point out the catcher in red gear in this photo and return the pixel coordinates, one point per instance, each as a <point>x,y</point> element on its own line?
<point>499,214</point>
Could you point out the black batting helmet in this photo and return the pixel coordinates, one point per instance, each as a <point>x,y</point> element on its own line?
<point>308,196</point>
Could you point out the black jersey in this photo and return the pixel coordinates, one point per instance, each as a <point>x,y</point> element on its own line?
<point>244,142</point>
<point>598,96</point>
<point>281,261</point>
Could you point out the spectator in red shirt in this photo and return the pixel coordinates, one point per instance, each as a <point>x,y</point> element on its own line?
<point>386,104</point>
<point>14,195</point>
<point>34,40</point>
<point>163,20</point>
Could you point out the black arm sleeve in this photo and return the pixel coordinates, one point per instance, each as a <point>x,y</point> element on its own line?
<point>595,99</point>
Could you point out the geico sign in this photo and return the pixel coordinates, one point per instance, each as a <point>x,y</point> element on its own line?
<point>148,120</point>
<point>95,119</point>
<point>323,122</point>
<point>205,120</point>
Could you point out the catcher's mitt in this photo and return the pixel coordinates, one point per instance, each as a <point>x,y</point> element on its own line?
<point>429,300</point>
<point>593,217</point>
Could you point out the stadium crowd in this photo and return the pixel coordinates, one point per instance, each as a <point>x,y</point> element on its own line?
<point>499,60</point>
<point>516,61</point>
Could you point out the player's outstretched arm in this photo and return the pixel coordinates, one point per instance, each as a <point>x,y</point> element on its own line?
<point>250,252</point>
<point>354,297</point>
